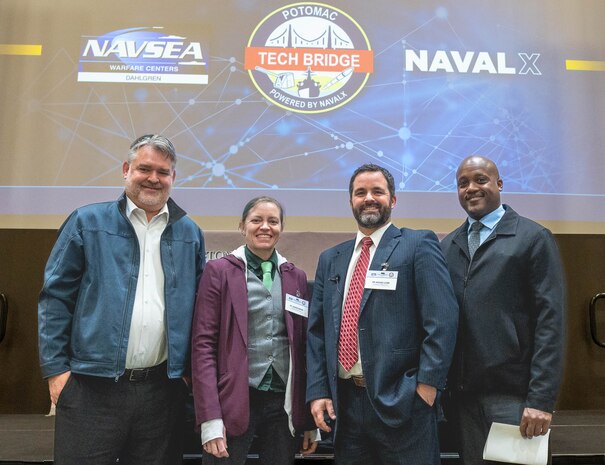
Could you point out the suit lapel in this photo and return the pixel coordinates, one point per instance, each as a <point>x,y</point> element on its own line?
<point>389,241</point>
<point>286,286</point>
<point>339,269</point>
<point>239,299</point>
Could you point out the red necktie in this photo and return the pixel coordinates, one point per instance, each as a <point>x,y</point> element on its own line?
<point>347,347</point>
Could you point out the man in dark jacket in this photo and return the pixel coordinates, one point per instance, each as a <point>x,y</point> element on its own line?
<point>508,280</point>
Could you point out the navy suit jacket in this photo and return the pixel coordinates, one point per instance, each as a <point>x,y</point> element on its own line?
<point>406,335</point>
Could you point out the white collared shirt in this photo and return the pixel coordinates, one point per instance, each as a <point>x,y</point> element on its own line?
<point>376,236</point>
<point>147,340</point>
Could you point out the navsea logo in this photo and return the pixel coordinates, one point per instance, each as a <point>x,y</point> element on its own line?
<point>142,55</point>
<point>309,57</point>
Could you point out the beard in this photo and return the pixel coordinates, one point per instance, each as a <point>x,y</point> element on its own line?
<point>152,198</point>
<point>143,198</point>
<point>374,219</point>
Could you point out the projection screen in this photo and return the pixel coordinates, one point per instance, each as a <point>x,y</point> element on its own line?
<point>287,99</point>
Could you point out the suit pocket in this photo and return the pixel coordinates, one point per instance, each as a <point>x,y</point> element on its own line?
<point>410,350</point>
<point>404,359</point>
<point>396,401</point>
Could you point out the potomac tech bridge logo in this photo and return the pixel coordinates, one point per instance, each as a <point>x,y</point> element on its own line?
<point>142,55</point>
<point>309,57</point>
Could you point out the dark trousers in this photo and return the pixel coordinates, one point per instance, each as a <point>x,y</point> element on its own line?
<point>363,439</point>
<point>474,414</point>
<point>100,420</point>
<point>269,422</point>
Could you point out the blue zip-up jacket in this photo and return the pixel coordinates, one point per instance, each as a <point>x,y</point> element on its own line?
<point>86,302</point>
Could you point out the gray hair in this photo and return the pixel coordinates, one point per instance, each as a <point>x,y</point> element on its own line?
<point>156,141</point>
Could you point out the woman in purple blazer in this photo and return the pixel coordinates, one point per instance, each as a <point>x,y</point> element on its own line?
<point>248,348</point>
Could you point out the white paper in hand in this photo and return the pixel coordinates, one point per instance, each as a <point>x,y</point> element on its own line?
<point>505,444</point>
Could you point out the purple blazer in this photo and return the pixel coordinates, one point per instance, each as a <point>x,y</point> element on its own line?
<point>219,354</point>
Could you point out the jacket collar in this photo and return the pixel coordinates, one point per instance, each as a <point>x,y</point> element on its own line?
<point>507,226</point>
<point>384,248</point>
<point>238,257</point>
<point>175,212</point>
<point>344,252</point>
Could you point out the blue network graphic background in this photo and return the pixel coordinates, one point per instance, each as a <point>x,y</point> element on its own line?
<point>419,125</point>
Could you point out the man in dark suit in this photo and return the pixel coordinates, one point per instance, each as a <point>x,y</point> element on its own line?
<point>509,283</point>
<point>381,334</point>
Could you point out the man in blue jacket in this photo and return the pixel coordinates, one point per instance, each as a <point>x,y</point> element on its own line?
<point>115,316</point>
<point>509,283</point>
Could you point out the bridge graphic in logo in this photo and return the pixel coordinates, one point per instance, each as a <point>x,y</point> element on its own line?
<point>309,58</point>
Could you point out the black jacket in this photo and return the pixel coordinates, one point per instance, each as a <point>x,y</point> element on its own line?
<point>512,301</point>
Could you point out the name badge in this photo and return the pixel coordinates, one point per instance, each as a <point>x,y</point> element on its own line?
<point>385,280</point>
<point>297,305</point>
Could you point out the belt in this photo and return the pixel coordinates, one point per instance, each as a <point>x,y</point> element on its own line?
<point>137,375</point>
<point>358,381</point>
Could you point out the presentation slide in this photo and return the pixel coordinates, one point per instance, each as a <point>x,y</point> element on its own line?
<point>287,99</point>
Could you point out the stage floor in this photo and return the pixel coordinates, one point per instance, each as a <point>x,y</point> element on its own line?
<point>577,437</point>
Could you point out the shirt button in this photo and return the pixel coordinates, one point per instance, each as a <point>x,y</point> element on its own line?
<point>268,297</point>
<point>269,317</point>
<point>268,338</point>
